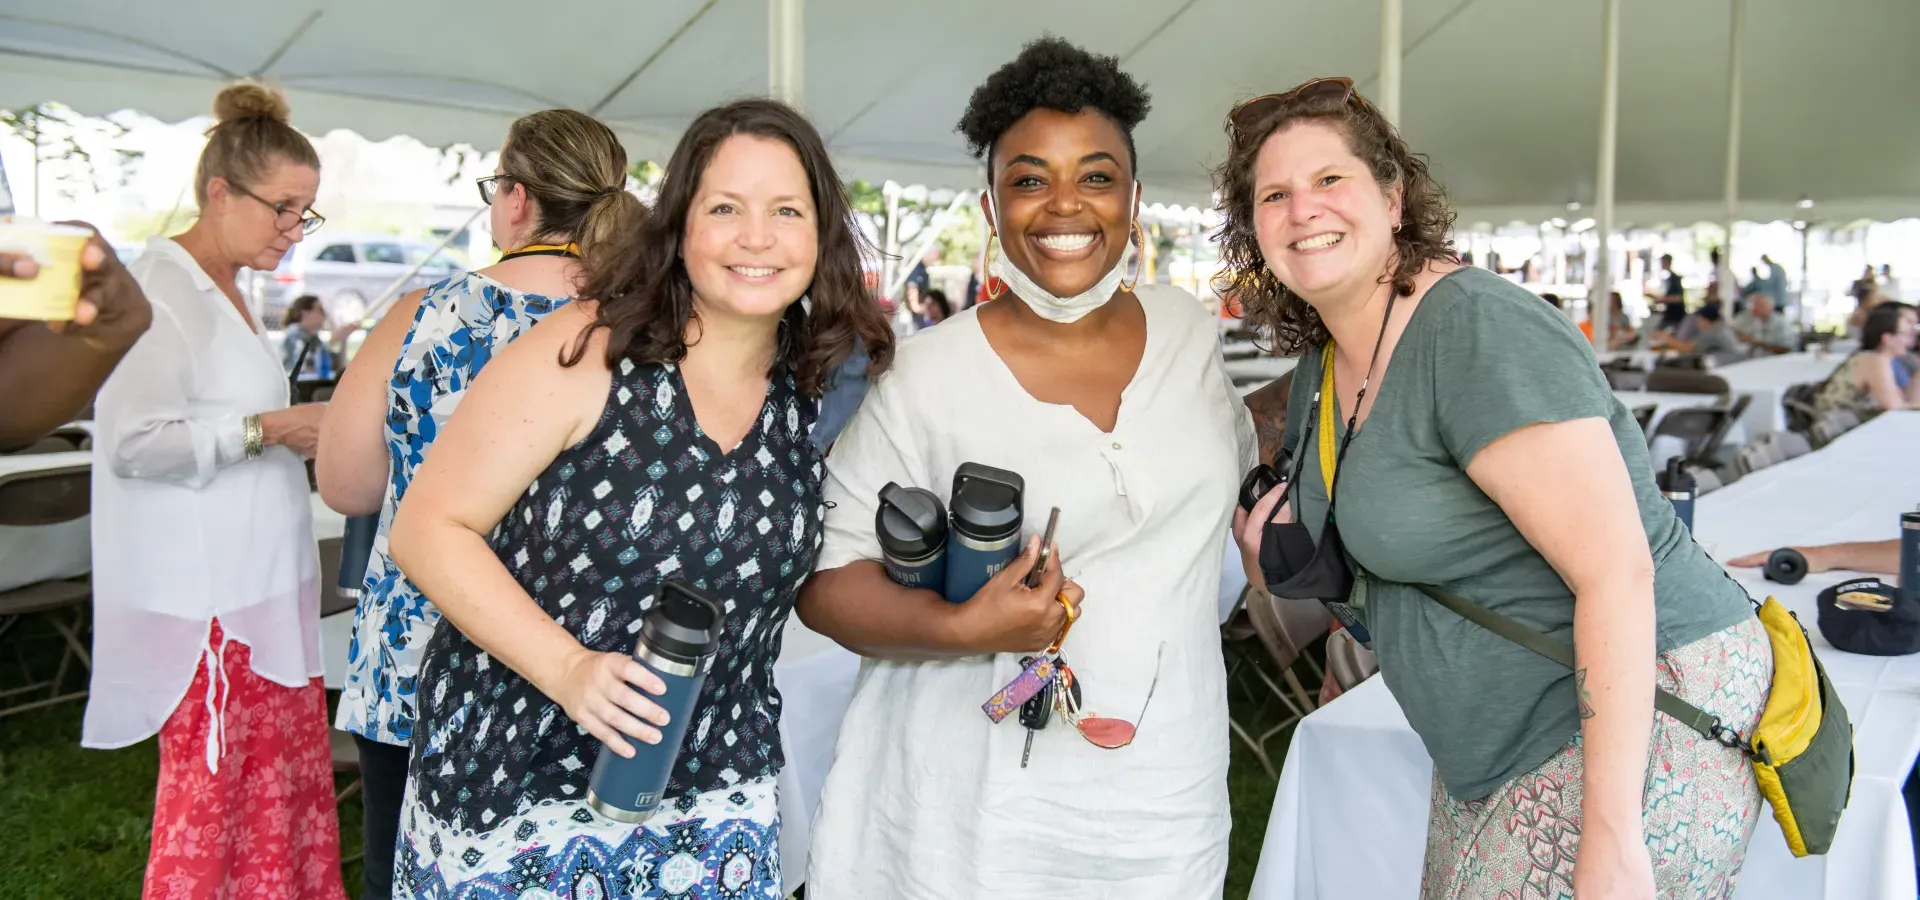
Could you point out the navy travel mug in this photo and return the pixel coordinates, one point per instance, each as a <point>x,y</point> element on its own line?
<point>1910,557</point>
<point>356,547</point>
<point>984,531</point>
<point>678,641</point>
<point>1677,484</point>
<point>912,525</point>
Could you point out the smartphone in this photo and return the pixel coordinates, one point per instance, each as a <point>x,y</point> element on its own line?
<point>1046,550</point>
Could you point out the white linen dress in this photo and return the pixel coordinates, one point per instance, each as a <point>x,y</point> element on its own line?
<point>926,797</point>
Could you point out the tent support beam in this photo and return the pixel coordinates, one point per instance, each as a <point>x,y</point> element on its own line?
<point>787,52</point>
<point>1734,64</point>
<point>1390,22</point>
<point>1599,305</point>
<point>294,37</point>
<point>651,58</point>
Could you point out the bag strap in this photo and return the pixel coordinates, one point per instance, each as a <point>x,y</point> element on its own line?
<point>1707,724</point>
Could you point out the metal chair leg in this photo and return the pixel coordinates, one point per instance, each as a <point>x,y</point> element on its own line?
<point>1259,752</point>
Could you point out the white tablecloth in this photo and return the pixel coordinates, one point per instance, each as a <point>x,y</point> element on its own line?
<point>1767,379</point>
<point>1349,818</point>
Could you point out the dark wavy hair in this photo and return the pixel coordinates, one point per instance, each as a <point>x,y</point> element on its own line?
<point>646,299</point>
<point>1050,73</point>
<point>1426,218</point>
<point>1881,321</point>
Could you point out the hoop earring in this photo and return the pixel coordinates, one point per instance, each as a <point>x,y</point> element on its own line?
<point>1140,263</point>
<point>995,285</point>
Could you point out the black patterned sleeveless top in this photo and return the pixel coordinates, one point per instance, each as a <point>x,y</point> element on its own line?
<point>645,498</point>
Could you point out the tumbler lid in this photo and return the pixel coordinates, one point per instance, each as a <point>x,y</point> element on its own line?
<point>685,623</point>
<point>911,522</point>
<point>987,502</point>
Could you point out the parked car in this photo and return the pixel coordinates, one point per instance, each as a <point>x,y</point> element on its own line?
<point>348,272</point>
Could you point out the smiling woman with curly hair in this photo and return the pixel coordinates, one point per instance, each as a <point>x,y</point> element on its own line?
<point>1483,453</point>
<point>1111,400</point>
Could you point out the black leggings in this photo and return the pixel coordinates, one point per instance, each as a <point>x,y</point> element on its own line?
<point>383,779</point>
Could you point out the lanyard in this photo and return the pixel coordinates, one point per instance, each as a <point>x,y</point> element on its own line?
<point>568,249</point>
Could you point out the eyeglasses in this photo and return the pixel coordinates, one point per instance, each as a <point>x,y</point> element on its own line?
<point>285,216</point>
<point>1101,731</point>
<point>488,185</point>
<point>1249,113</point>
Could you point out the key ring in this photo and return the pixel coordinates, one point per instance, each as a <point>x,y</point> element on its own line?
<point>1072,614</point>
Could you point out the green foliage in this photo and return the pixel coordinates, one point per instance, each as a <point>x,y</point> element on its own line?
<point>61,136</point>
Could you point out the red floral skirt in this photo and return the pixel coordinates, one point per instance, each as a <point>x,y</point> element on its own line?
<point>245,802</point>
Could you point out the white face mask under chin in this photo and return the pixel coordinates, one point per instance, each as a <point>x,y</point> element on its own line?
<point>1064,310</point>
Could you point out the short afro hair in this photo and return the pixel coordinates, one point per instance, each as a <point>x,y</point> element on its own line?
<point>1050,73</point>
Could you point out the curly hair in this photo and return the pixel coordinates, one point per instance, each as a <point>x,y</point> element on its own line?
<point>1050,73</point>
<point>646,298</point>
<point>1426,220</point>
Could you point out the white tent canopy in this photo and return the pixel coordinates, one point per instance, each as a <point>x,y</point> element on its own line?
<point>1502,94</point>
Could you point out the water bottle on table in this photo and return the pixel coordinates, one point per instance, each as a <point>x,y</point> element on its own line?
<point>1680,489</point>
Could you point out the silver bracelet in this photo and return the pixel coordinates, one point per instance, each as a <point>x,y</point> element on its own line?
<point>253,437</point>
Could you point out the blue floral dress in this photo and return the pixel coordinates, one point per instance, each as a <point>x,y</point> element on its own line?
<point>461,324</point>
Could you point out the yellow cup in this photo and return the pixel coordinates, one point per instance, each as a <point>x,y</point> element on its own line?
<point>54,293</point>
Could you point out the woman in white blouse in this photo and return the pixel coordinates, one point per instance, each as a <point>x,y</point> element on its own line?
<point>1111,401</point>
<point>206,582</point>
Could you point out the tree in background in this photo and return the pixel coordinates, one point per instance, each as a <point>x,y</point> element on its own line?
<point>64,142</point>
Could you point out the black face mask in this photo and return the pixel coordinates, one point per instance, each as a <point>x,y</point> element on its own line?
<point>1292,563</point>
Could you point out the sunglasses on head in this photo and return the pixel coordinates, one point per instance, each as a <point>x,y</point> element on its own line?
<point>1249,113</point>
<point>1101,731</point>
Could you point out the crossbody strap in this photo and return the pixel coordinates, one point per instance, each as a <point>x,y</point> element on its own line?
<point>1707,724</point>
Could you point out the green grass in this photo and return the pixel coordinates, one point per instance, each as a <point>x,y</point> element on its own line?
<point>76,822</point>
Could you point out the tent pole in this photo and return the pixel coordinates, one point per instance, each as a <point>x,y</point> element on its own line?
<point>1734,59</point>
<point>1390,60</point>
<point>1598,299</point>
<point>786,52</point>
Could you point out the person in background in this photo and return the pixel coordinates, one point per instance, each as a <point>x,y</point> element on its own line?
<point>933,310</point>
<point>919,281</point>
<point>1112,401</point>
<point>558,191</point>
<point>658,430</point>
<point>1624,334</point>
<point>1671,290</point>
<point>302,345</point>
<point>1712,337</point>
<point>1774,284</point>
<point>50,371</point>
<point>206,584</point>
<point>1875,378</point>
<point>1889,285</point>
<point>1763,327</point>
<point>1726,285</point>
<point>1462,391</point>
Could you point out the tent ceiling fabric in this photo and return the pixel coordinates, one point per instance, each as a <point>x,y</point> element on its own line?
<point>1502,94</point>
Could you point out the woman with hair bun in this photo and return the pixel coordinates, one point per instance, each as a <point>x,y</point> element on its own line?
<point>206,584</point>
<point>559,190</point>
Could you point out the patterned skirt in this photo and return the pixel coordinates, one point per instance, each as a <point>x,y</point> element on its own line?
<point>723,844</point>
<point>244,807</point>
<point>1699,811</point>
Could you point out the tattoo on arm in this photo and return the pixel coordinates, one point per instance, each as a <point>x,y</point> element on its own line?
<point>1269,406</point>
<point>1586,699</point>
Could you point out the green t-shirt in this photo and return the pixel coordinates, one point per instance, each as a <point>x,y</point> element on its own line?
<point>1481,358</point>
